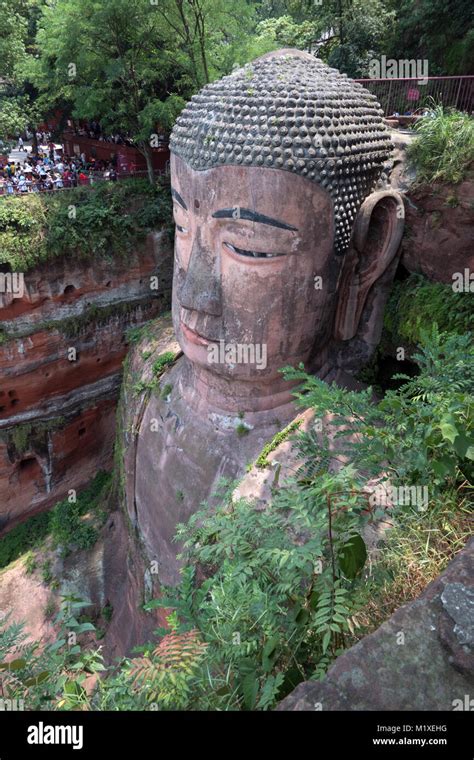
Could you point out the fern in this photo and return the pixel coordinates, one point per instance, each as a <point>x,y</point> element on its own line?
<point>167,674</point>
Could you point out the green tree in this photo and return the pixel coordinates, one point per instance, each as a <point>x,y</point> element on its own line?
<point>13,31</point>
<point>20,107</point>
<point>111,60</point>
<point>438,30</point>
<point>344,33</point>
<point>212,35</point>
<point>132,66</point>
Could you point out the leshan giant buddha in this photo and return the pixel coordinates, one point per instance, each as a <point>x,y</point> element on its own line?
<point>285,241</point>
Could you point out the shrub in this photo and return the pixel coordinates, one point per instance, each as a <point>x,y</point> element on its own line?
<point>416,303</point>
<point>26,536</point>
<point>109,219</point>
<point>444,147</point>
<point>67,523</point>
<point>50,677</point>
<point>163,361</point>
<point>270,597</point>
<point>273,593</point>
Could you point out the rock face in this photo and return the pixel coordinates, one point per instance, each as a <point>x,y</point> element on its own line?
<point>422,658</point>
<point>109,575</point>
<point>60,370</point>
<point>438,238</point>
<point>55,456</point>
<point>439,220</point>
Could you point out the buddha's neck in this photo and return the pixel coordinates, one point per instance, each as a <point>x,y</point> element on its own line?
<point>207,392</point>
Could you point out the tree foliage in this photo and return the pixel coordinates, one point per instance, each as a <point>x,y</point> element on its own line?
<point>107,219</point>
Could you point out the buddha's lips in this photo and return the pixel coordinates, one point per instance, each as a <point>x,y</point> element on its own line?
<point>193,336</point>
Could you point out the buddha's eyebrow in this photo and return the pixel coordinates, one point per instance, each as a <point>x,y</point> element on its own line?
<point>177,197</point>
<point>251,216</point>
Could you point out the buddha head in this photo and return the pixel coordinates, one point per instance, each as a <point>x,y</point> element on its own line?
<point>283,228</point>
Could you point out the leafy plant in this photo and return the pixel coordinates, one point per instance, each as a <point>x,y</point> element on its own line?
<point>109,219</point>
<point>422,434</point>
<point>50,677</point>
<point>417,303</point>
<point>163,361</point>
<point>270,597</point>
<point>67,523</point>
<point>166,676</point>
<point>274,593</point>
<point>262,459</point>
<point>444,147</point>
<point>26,536</point>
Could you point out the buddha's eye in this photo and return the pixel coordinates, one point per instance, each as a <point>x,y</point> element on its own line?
<point>181,229</point>
<point>252,254</point>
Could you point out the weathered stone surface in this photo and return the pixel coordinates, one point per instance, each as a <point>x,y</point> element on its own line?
<point>289,111</point>
<point>55,460</point>
<point>458,603</point>
<point>176,448</point>
<point>113,573</point>
<point>67,408</point>
<point>430,670</point>
<point>124,571</point>
<point>109,574</point>
<point>402,176</point>
<point>438,237</point>
<point>64,288</point>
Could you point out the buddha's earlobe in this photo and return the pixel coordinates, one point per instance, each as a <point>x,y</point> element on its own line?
<point>375,242</point>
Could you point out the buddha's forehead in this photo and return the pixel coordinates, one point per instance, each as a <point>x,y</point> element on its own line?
<point>272,192</point>
<point>292,113</point>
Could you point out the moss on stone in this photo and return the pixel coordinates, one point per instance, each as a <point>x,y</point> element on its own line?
<point>416,303</point>
<point>20,435</point>
<point>262,460</point>
<point>164,360</point>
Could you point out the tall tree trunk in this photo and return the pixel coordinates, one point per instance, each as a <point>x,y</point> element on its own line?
<point>200,24</point>
<point>34,140</point>
<point>340,11</point>
<point>147,152</point>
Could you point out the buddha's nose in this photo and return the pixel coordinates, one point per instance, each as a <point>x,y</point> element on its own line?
<point>201,289</point>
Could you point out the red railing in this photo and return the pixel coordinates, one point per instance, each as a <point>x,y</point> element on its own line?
<point>403,95</point>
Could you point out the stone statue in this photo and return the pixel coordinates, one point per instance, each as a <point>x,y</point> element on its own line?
<point>286,243</point>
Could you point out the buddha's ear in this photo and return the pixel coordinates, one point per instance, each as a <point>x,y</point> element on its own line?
<point>375,241</point>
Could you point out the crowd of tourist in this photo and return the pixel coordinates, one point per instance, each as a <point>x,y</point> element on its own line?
<point>46,169</point>
<point>50,171</point>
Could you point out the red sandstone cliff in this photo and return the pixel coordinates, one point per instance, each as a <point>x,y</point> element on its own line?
<point>61,354</point>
